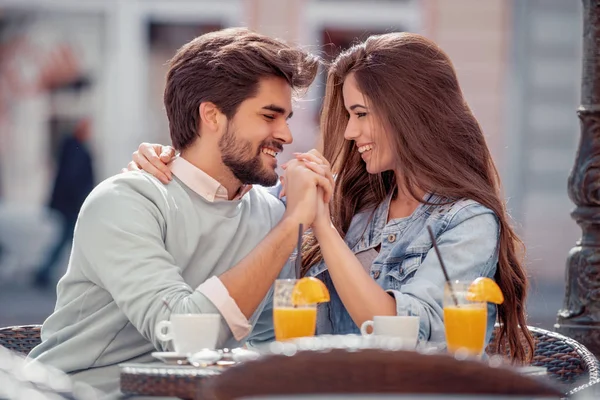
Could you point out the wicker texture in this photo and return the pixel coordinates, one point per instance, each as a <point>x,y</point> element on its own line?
<point>567,361</point>
<point>162,381</point>
<point>168,386</point>
<point>20,338</point>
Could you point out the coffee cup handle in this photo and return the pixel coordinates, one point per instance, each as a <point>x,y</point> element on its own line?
<point>165,337</point>
<point>363,328</point>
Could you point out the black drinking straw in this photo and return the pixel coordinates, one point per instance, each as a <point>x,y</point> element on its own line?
<point>439,255</point>
<point>299,251</point>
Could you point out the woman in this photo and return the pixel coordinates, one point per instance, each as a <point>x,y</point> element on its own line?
<point>407,153</point>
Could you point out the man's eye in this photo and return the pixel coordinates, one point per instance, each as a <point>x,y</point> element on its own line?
<point>267,116</point>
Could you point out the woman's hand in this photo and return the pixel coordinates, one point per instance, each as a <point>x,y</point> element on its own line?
<point>318,164</point>
<point>152,158</point>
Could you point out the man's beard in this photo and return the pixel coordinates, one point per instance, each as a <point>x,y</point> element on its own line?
<point>247,167</point>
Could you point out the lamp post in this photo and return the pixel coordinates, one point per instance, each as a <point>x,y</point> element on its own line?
<point>579,317</point>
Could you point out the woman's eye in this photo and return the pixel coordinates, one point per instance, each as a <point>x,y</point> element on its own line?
<point>360,115</point>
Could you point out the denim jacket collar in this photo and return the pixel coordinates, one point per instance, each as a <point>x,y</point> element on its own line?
<point>367,227</point>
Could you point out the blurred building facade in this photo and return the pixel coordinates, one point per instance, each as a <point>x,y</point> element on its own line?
<point>518,62</point>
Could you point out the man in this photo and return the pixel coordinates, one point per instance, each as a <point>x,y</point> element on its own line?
<point>208,242</point>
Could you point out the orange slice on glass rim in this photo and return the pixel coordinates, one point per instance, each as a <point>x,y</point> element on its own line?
<point>309,290</point>
<point>485,289</point>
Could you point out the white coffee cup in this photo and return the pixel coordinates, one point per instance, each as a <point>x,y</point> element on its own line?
<point>190,333</point>
<point>404,327</point>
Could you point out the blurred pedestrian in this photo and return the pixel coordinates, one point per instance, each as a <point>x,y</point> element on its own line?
<point>74,181</point>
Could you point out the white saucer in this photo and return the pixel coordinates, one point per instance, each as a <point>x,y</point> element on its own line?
<point>241,355</point>
<point>204,357</point>
<point>170,357</point>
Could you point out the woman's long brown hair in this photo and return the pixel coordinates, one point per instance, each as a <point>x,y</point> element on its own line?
<point>411,86</point>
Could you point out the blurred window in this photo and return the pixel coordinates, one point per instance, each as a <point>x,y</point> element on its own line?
<point>362,1</point>
<point>336,40</point>
<point>171,36</point>
<point>164,38</point>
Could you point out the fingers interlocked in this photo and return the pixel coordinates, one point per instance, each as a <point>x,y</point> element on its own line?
<point>315,162</point>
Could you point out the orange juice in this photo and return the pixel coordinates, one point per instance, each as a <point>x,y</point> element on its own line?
<point>292,322</point>
<point>466,327</point>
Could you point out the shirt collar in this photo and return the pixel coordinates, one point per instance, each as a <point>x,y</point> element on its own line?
<point>202,183</point>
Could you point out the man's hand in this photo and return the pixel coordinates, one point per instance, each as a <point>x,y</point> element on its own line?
<point>301,185</point>
<point>152,158</point>
<point>249,281</point>
<point>319,165</point>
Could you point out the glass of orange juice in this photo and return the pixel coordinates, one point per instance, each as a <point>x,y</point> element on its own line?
<point>465,319</point>
<point>290,319</point>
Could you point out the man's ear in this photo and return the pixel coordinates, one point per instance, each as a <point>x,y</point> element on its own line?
<point>211,118</point>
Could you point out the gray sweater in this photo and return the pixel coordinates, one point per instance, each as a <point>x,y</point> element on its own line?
<point>138,241</point>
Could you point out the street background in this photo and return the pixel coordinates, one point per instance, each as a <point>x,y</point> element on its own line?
<point>518,62</point>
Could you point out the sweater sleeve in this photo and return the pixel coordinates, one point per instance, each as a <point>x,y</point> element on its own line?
<point>218,294</point>
<point>120,232</point>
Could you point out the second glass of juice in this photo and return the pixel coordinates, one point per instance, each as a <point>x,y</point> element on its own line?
<point>291,321</point>
<point>465,322</point>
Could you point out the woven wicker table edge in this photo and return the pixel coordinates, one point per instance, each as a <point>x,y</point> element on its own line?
<point>157,380</point>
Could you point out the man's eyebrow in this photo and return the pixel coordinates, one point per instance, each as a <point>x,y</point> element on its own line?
<point>352,107</point>
<point>278,110</point>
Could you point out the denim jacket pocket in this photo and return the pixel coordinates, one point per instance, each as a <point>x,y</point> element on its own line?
<point>400,270</point>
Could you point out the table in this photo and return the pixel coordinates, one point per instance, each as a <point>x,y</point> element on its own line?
<point>372,396</point>
<point>160,379</point>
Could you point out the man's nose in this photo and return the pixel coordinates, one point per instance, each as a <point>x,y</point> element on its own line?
<point>284,134</point>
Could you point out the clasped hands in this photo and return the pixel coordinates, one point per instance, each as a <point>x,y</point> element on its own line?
<point>308,184</point>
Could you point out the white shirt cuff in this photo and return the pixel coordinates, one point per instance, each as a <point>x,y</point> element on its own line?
<point>218,294</point>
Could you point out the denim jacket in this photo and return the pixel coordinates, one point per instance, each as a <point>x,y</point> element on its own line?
<point>407,266</point>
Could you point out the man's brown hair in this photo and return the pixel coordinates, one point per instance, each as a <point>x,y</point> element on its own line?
<point>225,67</point>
